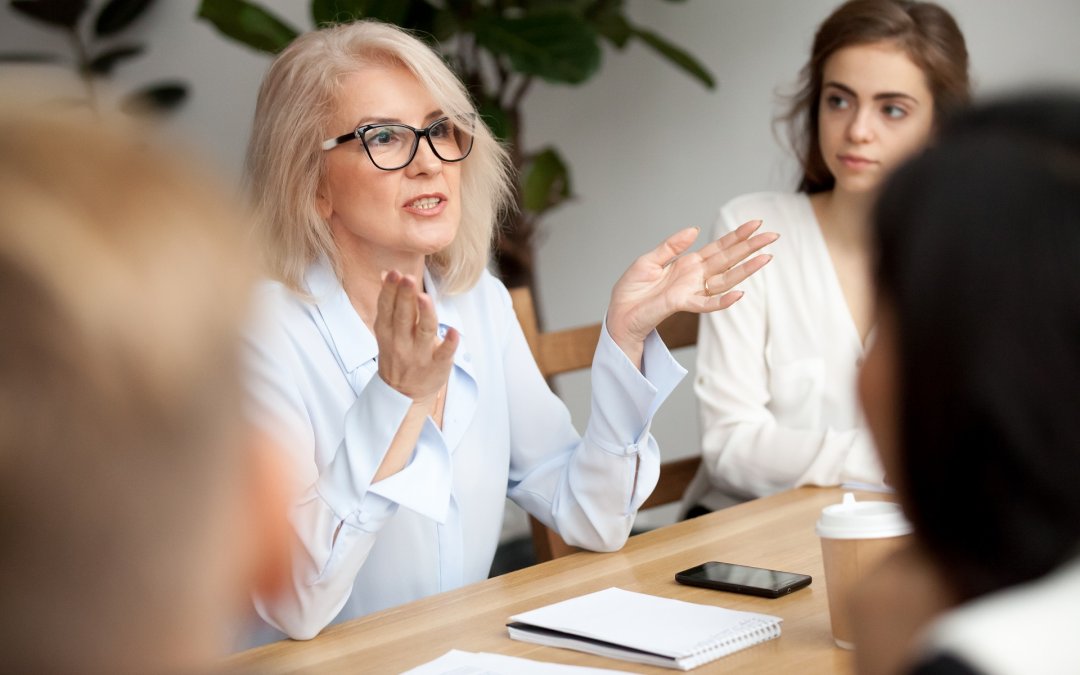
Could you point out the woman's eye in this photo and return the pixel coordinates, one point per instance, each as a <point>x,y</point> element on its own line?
<point>835,102</point>
<point>443,130</point>
<point>894,112</point>
<point>384,136</point>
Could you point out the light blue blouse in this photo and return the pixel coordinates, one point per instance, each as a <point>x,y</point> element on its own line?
<point>434,526</point>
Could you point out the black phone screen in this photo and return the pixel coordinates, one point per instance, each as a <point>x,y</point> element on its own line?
<point>743,579</point>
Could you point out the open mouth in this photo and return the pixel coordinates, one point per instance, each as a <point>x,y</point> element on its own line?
<point>425,203</point>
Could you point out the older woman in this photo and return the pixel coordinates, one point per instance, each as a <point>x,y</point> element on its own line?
<point>389,362</point>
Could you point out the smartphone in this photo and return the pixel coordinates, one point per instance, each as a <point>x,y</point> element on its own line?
<point>742,579</point>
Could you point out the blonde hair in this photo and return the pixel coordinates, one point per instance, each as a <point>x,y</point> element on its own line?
<point>123,286</point>
<point>293,116</point>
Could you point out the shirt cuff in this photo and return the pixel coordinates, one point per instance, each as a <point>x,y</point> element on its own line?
<point>424,484</point>
<point>625,398</point>
<point>370,425</point>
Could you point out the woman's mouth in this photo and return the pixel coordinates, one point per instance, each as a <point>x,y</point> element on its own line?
<point>427,205</point>
<point>855,161</point>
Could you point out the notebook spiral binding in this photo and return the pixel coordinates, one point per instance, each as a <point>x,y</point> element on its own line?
<point>732,640</point>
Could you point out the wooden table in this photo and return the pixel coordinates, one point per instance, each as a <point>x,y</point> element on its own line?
<point>775,532</point>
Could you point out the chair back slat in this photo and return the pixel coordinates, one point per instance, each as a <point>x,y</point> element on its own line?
<point>571,349</point>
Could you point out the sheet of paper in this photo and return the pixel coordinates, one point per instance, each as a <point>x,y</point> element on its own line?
<point>457,662</point>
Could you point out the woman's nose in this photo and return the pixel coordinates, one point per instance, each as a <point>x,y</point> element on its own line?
<point>425,161</point>
<point>860,129</point>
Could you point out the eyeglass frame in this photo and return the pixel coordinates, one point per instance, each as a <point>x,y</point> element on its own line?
<point>358,134</point>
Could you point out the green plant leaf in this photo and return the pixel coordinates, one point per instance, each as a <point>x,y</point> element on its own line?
<point>496,117</point>
<point>117,15</point>
<point>156,98</point>
<point>248,23</point>
<point>103,63</point>
<point>63,13</point>
<point>677,56</point>
<point>612,25</point>
<point>337,11</point>
<point>411,14</point>
<point>444,24</point>
<point>428,19</point>
<point>547,181</point>
<point>27,57</point>
<point>578,7</point>
<point>555,46</point>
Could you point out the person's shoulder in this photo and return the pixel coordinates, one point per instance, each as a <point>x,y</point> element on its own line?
<point>1024,628</point>
<point>274,297</point>
<point>764,200</point>
<point>486,300</point>
<point>488,288</point>
<point>277,309</point>
<point>779,210</point>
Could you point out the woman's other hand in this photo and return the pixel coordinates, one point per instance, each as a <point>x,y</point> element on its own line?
<point>664,281</point>
<point>412,358</point>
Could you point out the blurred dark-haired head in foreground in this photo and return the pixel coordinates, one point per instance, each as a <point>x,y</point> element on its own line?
<point>972,388</point>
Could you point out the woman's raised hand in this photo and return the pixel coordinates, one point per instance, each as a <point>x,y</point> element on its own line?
<point>665,281</point>
<point>412,358</point>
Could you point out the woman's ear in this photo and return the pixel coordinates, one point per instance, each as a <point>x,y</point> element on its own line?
<point>323,206</point>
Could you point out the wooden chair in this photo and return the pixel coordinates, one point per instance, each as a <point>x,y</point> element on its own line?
<point>563,351</point>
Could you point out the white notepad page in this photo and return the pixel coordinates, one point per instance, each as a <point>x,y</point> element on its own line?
<point>689,633</point>
<point>457,662</point>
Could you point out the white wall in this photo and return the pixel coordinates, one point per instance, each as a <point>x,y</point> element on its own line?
<point>651,151</point>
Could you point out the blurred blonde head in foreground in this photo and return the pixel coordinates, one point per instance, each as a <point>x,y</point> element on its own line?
<point>134,520</point>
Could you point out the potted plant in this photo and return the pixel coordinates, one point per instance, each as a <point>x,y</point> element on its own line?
<point>98,47</point>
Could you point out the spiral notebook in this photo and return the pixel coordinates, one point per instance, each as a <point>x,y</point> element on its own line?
<point>644,628</point>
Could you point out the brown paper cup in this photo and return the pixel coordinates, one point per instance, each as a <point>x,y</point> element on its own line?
<point>846,562</point>
<point>855,537</point>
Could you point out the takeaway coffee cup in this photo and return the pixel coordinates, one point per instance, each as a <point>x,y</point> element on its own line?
<point>855,536</point>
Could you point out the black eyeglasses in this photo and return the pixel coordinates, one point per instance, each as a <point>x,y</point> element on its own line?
<point>393,146</point>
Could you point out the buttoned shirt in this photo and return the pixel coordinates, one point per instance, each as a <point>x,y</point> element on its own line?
<point>363,546</point>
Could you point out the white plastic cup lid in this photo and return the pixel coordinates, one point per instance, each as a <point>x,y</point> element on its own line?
<point>852,519</point>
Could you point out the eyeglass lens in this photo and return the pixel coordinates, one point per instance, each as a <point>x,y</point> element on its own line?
<point>392,146</point>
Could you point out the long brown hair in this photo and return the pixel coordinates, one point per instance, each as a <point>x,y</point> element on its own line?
<point>928,35</point>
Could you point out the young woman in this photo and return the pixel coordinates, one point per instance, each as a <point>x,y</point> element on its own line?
<point>776,375</point>
<point>971,391</point>
<point>390,364</point>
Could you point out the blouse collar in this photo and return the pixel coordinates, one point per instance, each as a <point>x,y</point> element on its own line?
<point>352,340</point>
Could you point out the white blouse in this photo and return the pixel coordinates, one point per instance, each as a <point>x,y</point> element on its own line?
<point>776,372</point>
<point>1020,630</point>
<point>434,526</point>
